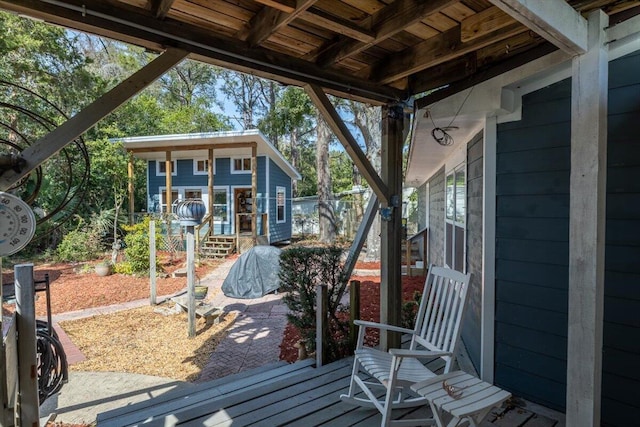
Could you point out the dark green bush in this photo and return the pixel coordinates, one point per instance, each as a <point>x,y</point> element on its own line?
<point>301,270</point>
<point>79,245</point>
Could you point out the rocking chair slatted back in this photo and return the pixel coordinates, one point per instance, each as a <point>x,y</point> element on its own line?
<point>439,317</point>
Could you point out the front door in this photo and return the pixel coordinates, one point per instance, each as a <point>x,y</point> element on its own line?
<point>244,207</point>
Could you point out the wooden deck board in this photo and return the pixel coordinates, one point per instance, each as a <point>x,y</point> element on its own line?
<point>173,401</point>
<point>302,397</point>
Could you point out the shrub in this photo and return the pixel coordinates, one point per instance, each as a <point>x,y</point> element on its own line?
<point>410,311</point>
<point>79,245</point>
<point>136,250</point>
<point>123,267</point>
<point>301,270</point>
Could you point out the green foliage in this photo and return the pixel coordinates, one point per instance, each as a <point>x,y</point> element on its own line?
<point>137,245</point>
<point>410,311</point>
<point>80,245</point>
<point>123,267</point>
<point>301,270</point>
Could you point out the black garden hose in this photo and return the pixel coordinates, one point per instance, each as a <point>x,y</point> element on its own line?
<point>53,370</point>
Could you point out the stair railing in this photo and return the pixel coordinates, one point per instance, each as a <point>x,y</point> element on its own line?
<point>207,222</point>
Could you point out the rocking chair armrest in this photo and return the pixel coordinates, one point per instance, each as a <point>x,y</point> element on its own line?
<point>383,326</point>
<point>420,354</point>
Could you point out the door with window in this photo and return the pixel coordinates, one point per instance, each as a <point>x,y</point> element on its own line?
<point>455,219</point>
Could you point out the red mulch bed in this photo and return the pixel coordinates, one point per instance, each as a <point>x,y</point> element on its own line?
<point>369,310</point>
<point>72,290</point>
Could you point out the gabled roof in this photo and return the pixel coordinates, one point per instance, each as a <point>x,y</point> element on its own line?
<point>196,145</point>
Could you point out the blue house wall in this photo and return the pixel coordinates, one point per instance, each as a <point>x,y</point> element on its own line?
<point>277,178</point>
<point>532,247</point>
<point>223,178</point>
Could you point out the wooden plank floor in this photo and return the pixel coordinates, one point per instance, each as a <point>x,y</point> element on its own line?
<point>304,397</point>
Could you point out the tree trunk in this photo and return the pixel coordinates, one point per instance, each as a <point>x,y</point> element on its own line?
<point>295,159</point>
<point>326,214</point>
<point>368,119</point>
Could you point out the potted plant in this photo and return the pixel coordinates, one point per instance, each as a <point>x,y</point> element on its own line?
<point>103,268</point>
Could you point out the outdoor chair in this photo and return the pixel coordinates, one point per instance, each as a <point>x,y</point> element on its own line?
<point>385,377</point>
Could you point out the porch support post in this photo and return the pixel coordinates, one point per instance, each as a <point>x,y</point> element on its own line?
<point>168,170</point>
<point>391,224</point>
<point>61,136</point>
<point>210,189</point>
<point>130,188</point>
<point>487,327</point>
<point>587,226</point>
<point>254,191</point>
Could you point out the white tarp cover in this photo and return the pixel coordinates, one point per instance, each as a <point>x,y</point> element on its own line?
<point>254,274</point>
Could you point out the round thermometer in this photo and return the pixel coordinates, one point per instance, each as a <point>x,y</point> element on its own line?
<point>17,224</point>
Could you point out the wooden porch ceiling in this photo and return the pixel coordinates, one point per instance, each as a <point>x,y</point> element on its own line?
<point>377,51</point>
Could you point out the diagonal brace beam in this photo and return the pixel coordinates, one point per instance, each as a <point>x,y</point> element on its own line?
<point>361,235</point>
<point>349,143</point>
<point>64,134</point>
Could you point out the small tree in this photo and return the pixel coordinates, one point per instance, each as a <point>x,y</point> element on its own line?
<point>137,247</point>
<point>301,270</point>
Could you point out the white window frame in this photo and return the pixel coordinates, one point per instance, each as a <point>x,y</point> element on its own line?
<point>233,165</point>
<point>174,172</point>
<point>455,223</point>
<point>206,171</point>
<point>284,205</point>
<point>220,189</point>
<point>192,189</point>
<point>163,193</point>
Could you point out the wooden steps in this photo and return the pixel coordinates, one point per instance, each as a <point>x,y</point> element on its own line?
<point>218,247</point>
<point>180,404</point>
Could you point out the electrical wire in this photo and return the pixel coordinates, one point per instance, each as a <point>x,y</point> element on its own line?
<point>53,370</point>
<point>440,135</point>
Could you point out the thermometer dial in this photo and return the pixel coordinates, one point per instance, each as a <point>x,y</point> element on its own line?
<point>17,224</point>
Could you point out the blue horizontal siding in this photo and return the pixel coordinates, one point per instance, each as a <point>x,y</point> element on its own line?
<point>532,233</point>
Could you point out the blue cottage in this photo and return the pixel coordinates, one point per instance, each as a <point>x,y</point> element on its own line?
<point>244,181</point>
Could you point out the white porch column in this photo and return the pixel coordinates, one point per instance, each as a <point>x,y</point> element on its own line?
<point>487,330</point>
<point>587,226</point>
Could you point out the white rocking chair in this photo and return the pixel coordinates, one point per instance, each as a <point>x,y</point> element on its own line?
<point>436,334</point>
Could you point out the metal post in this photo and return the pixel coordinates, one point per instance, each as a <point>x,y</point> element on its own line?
<point>191,285</point>
<point>354,311</point>
<point>152,261</point>
<point>322,328</point>
<point>27,359</point>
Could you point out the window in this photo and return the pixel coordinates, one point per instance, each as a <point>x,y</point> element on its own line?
<point>201,167</point>
<point>281,197</point>
<point>241,165</point>
<point>193,194</point>
<point>455,218</point>
<point>163,198</point>
<point>161,168</point>
<point>220,205</point>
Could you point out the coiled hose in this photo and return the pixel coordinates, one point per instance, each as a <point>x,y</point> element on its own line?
<point>53,370</point>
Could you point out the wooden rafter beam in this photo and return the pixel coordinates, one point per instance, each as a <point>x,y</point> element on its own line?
<point>64,134</point>
<point>160,8</point>
<point>269,20</point>
<point>342,26</point>
<point>341,131</point>
<point>135,26</point>
<point>436,50</point>
<point>484,74</point>
<point>555,20</point>
<point>387,22</point>
<point>287,6</point>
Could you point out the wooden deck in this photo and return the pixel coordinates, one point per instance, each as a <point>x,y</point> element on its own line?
<point>281,394</point>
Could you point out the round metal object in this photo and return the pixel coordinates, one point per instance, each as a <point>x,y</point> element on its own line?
<point>17,224</point>
<point>190,212</point>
